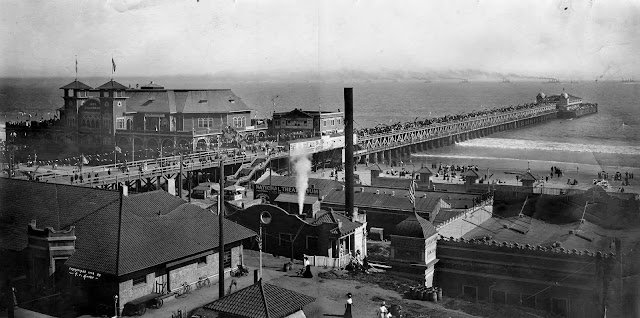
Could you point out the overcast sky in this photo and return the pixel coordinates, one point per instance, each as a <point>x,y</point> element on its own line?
<point>556,38</point>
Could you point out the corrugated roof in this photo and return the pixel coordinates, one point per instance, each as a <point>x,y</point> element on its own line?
<point>385,201</point>
<point>293,198</point>
<point>111,85</point>
<point>526,230</point>
<point>76,85</point>
<point>156,226</point>
<point>261,300</point>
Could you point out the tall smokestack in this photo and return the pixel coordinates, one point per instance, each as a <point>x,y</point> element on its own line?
<point>348,149</point>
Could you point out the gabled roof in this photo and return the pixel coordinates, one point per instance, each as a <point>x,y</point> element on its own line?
<point>111,85</point>
<point>76,85</point>
<point>209,101</point>
<point>415,226</point>
<point>294,113</point>
<point>156,226</point>
<point>445,215</point>
<point>424,170</point>
<point>470,173</point>
<point>527,176</point>
<point>333,218</point>
<point>261,300</point>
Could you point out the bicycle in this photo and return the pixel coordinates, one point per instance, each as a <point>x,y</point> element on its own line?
<point>203,281</point>
<point>184,289</point>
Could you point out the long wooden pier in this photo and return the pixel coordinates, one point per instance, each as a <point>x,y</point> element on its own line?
<point>153,174</point>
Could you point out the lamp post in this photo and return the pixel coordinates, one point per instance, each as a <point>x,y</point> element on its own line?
<point>265,219</point>
<point>115,305</point>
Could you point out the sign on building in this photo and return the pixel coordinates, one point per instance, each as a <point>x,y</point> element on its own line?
<point>270,192</point>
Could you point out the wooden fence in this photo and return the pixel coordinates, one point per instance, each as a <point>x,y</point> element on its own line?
<point>325,261</point>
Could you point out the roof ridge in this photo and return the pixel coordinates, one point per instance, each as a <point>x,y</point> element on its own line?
<point>264,299</point>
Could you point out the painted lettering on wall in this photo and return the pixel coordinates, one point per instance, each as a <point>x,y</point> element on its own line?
<point>83,273</point>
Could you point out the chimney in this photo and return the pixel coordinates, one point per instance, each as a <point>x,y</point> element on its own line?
<point>377,191</point>
<point>339,224</point>
<point>354,215</point>
<point>393,193</point>
<point>348,149</point>
<point>33,223</point>
<point>361,189</point>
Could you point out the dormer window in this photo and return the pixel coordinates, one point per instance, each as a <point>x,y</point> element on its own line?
<point>232,101</point>
<point>202,101</point>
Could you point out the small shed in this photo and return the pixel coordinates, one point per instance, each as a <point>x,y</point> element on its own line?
<point>234,192</point>
<point>470,176</point>
<point>528,179</point>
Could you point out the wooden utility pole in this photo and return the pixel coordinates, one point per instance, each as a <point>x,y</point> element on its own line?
<point>221,230</point>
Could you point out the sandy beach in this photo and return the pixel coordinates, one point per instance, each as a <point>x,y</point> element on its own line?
<point>504,171</point>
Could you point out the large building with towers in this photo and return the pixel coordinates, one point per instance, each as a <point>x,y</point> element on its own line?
<point>148,117</point>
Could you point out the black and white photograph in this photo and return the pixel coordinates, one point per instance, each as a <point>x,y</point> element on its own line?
<point>321,158</point>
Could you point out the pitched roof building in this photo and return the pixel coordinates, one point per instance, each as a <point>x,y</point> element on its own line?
<point>260,300</point>
<point>146,237</point>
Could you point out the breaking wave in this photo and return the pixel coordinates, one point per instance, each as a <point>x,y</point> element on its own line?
<point>521,144</point>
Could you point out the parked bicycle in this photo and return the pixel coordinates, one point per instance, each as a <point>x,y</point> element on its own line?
<point>184,289</point>
<point>203,281</point>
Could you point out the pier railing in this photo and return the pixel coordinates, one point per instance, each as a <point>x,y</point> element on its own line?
<point>404,137</point>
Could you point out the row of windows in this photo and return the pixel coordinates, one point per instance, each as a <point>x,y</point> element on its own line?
<point>205,122</point>
<point>331,122</point>
<point>238,122</point>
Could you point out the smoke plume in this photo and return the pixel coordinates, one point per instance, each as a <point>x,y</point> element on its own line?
<point>302,167</point>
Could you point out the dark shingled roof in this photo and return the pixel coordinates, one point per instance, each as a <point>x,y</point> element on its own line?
<point>261,300</point>
<point>424,170</point>
<point>415,226</point>
<point>111,85</point>
<point>76,85</point>
<point>470,173</point>
<point>185,101</point>
<point>445,215</point>
<point>332,217</point>
<point>157,227</point>
<point>527,176</point>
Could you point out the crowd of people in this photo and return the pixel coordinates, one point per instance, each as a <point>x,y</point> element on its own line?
<point>383,129</point>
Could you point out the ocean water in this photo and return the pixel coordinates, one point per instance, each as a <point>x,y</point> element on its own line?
<point>611,137</point>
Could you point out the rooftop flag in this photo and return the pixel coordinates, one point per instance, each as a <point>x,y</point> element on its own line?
<point>412,192</point>
<point>114,64</point>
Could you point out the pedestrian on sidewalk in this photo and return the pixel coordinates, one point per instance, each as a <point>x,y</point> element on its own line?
<point>347,307</point>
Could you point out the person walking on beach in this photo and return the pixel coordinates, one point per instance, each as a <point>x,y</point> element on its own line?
<point>347,307</point>
<point>382,311</point>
